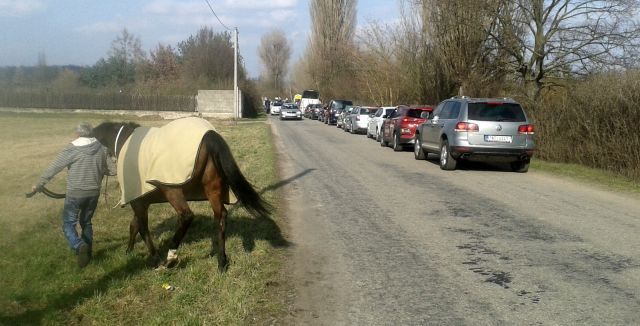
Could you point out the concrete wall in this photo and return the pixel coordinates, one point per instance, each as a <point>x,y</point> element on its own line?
<point>217,104</point>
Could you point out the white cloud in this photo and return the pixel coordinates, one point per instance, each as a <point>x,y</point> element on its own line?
<point>167,7</point>
<point>113,27</point>
<point>260,4</point>
<point>100,27</point>
<point>20,8</point>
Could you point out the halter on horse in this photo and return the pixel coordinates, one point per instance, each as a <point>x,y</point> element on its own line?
<point>215,171</point>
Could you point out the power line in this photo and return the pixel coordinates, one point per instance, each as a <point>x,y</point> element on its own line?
<point>214,13</point>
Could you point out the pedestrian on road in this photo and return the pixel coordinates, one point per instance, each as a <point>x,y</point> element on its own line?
<point>87,162</point>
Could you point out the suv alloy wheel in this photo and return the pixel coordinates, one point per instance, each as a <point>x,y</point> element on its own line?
<point>418,152</point>
<point>383,142</point>
<point>447,162</point>
<point>396,143</point>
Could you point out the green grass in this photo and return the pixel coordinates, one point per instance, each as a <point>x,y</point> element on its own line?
<point>591,176</point>
<point>40,280</point>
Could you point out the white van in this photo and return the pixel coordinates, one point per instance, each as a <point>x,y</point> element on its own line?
<point>309,97</point>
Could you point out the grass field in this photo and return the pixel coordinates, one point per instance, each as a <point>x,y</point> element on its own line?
<point>41,283</point>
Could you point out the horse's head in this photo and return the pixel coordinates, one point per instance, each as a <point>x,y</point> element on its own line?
<point>107,133</point>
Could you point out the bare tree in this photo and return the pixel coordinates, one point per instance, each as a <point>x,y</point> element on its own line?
<point>127,48</point>
<point>549,40</point>
<point>462,47</point>
<point>275,52</point>
<point>163,64</point>
<point>333,27</point>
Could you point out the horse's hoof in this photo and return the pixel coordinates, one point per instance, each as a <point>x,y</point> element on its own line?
<point>170,263</point>
<point>172,258</point>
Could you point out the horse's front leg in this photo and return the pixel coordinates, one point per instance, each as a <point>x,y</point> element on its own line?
<point>140,224</point>
<point>185,217</point>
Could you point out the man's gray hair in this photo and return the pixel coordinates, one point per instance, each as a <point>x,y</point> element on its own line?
<point>84,129</point>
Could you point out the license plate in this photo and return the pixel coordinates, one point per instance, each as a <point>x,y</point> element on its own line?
<point>497,139</point>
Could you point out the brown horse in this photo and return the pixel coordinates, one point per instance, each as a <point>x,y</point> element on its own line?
<point>214,172</point>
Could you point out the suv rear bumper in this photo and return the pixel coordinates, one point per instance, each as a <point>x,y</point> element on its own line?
<point>491,154</point>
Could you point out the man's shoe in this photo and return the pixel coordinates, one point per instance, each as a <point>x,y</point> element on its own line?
<point>84,255</point>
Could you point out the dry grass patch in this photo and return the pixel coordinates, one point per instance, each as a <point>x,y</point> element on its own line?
<point>41,283</point>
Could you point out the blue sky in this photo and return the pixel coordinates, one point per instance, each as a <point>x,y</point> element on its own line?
<point>80,31</point>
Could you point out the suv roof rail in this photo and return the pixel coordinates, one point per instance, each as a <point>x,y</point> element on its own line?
<point>460,97</point>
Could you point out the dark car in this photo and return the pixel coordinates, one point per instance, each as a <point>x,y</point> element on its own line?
<point>334,109</point>
<point>313,111</point>
<point>399,129</point>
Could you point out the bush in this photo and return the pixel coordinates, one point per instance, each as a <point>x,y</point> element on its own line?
<point>593,123</point>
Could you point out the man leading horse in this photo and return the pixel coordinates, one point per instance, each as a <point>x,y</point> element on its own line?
<point>87,162</point>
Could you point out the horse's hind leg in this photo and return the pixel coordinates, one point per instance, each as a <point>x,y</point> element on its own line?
<point>220,219</point>
<point>140,224</point>
<point>216,191</point>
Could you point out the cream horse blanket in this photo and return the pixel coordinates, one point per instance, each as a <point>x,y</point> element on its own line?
<point>164,155</point>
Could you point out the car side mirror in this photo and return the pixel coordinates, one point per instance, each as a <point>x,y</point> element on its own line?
<point>424,115</point>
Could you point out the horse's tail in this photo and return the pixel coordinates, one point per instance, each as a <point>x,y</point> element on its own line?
<point>225,163</point>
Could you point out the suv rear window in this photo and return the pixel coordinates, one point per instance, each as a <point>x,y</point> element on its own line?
<point>496,112</point>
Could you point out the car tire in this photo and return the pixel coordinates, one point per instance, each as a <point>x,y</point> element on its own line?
<point>520,166</point>
<point>418,152</point>
<point>378,135</point>
<point>396,143</point>
<point>447,162</point>
<point>351,129</point>
<point>383,142</point>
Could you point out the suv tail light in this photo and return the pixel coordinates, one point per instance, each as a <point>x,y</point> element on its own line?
<point>466,127</point>
<point>526,129</point>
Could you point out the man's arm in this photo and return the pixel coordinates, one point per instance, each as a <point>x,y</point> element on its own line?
<point>61,161</point>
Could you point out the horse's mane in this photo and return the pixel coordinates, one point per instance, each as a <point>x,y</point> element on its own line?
<point>110,125</point>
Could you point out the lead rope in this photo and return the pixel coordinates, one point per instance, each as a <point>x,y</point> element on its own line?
<point>106,183</point>
<point>104,193</point>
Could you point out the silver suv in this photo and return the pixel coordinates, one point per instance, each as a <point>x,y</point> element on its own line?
<point>477,129</point>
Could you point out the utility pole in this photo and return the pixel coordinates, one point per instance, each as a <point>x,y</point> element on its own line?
<point>236,105</point>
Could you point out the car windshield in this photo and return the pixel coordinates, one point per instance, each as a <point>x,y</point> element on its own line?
<point>489,111</point>
<point>310,94</point>
<point>343,104</point>
<point>277,103</point>
<point>368,111</point>
<point>415,113</point>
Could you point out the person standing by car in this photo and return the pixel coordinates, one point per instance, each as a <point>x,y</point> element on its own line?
<point>267,103</point>
<point>87,162</point>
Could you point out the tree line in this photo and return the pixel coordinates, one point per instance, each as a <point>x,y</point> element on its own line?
<point>573,64</point>
<point>202,61</point>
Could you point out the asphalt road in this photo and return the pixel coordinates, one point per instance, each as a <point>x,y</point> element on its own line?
<point>382,239</point>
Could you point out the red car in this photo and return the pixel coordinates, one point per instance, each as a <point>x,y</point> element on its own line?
<point>399,128</point>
